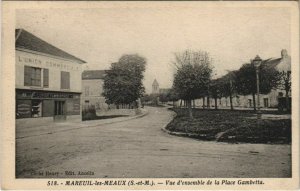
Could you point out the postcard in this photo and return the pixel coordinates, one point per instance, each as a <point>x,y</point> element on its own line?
<point>138,95</point>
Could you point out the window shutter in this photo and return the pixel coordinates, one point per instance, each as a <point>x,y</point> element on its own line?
<point>46,78</point>
<point>68,80</point>
<point>62,80</point>
<point>65,80</point>
<point>27,76</point>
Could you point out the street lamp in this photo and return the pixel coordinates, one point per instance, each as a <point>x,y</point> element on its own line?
<point>256,62</point>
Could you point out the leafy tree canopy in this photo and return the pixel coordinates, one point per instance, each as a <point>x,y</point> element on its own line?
<point>123,82</point>
<point>193,74</point>
<point>246,79</point>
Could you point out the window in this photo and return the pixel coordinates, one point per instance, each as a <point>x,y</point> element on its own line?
<point>86,90</point>
<point>250,102</point>
<point>266,102</point>
<point>32,76</point>
<point>46,78</point>
<point>64,80</point>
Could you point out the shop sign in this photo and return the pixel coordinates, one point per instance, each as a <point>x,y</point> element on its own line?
<point>45,95</point>
<point>51,95</point>
<point>47,63</point>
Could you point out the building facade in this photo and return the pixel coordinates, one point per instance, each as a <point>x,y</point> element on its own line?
<point>48,81</point>
<point>92,84</point>
<point>269,100</point>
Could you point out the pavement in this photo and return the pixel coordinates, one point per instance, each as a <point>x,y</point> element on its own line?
<point>51,128</point>
<point>138,148</point>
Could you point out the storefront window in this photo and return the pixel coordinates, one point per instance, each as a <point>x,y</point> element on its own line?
<point>36,108</point>
<point>23,109</point>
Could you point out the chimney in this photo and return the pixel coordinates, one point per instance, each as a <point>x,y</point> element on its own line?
<point>284,53</point>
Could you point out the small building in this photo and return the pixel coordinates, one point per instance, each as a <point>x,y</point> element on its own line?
<point>92,84</point>
<point>48,81</point>
<point>269,100</point>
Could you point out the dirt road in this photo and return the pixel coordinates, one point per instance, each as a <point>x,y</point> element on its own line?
<point>138,148</point>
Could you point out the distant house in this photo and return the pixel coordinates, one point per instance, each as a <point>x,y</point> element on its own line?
<point>92,88</point>
<point>266,100</point>
<point>48,82</point>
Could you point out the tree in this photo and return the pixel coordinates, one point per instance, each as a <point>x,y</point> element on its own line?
<point>227,86</point>
<point>193,75</point>
<point>146,98</point>
<point>173,96</point>
<point>123,82</point>
<point>163,97</point>
<point>246,79</point>
<point>215,90</point>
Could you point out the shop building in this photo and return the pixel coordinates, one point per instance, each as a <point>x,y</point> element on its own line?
<point>48,81</point>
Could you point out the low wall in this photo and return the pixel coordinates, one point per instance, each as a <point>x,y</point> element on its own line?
<point>130,112</point>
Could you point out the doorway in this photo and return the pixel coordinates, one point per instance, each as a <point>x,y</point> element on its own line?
<point>59,111</point>
<point>266,102</point>
<point>250,102</point>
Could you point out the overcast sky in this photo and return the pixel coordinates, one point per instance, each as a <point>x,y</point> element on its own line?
<point>232,36</point>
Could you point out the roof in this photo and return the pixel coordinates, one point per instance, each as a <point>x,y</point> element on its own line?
<point>93,74</point>
<point>284,65</point>
<point>155,83</point>
<point>26,40</point>
<point>272,63</point>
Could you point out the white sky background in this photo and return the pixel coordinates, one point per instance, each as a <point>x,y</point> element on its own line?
<point>232,36</point>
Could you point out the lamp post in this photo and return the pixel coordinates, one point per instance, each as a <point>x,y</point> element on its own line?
<point>256,62</point>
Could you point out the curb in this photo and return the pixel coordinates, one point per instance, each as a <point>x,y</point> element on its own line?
<point>126,119</point>
<point>88,126</point>
<point>180,134</point>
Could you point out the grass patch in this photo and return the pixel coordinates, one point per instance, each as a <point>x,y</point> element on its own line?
<point>237,126</point>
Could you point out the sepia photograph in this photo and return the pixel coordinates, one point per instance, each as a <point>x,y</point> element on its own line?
<point>154,91</point>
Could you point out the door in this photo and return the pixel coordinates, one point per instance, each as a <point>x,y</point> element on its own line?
<point>59,111</point>
<point>250,102</point>
<point>266,102</point>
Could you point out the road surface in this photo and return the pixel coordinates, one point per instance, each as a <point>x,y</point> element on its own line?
<point>139,149</point>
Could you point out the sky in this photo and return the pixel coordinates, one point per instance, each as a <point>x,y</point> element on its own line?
<point>232,36</point>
